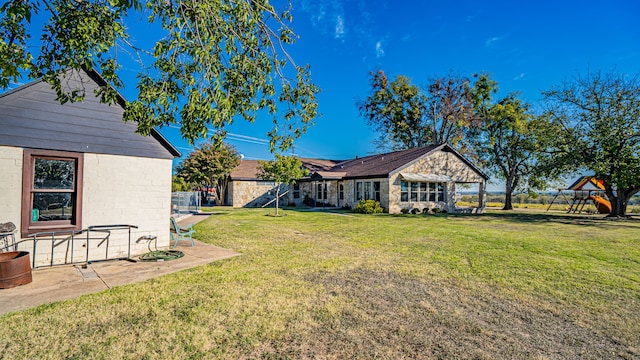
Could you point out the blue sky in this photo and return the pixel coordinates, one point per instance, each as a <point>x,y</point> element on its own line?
<point>525,46</point>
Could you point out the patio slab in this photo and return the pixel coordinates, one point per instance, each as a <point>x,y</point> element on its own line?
<point>67,282</point>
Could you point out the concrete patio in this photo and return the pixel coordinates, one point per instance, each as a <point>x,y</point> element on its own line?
<point>67,282</point>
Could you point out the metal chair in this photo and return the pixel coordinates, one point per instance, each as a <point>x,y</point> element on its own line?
<point>8,237</point>
<point>178,233</point>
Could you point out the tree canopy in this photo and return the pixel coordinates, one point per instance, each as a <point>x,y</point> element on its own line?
<point>212,62</point>
<point>406,116</point>
<point>598,122</point>
<point>209,165</point>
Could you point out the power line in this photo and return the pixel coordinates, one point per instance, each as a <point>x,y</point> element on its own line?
<point>250,140</point>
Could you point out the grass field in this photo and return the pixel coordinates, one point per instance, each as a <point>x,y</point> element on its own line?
<point>338,286</point>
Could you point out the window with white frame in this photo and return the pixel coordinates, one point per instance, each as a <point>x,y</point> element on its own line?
<point>411,191</point>
<point>368,190</point>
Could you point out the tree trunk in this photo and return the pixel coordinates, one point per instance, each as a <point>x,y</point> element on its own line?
<point>618,208</point>
<point>619,201</point>
<point>508,193</point>
<point>221,190</point>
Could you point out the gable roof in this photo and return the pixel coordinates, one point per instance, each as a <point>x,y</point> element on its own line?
<point>587,181</point>
<point>246,170</point>
<point>314,165</point>
<point>32,117</point>
<point>380,165</point>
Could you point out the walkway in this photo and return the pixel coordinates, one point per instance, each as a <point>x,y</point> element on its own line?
<point>68,282</point>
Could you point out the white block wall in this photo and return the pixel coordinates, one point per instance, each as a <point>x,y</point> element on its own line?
<point>10,184</point>
<point>116,190</point>
<point>127,190</point>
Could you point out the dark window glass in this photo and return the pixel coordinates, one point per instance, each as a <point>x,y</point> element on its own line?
<point>367,190</point>
<point>414,191</point>
<point>52,206</point>
<point>404,191</point>
<point>53,174</point>
<point>296,191</point>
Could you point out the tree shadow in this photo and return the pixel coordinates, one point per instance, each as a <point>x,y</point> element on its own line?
<point>567,219</point>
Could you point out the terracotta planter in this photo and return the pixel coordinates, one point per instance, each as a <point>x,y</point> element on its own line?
<point>15,269</point>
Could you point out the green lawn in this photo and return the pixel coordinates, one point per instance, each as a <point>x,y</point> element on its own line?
<point>322,285</point>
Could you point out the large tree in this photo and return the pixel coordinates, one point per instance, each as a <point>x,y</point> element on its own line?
<point>599,120</point>
<point>511,139</point>
<point>211,61</point>
<point>282,170</point>
<point>209,165</point>
<point>407,116</point>
<point>397,111</point>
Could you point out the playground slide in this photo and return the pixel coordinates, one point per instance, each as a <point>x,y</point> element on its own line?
<point>603,205</point>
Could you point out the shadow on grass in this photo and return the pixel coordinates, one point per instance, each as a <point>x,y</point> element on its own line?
<point>521,217</point>
<point>560,218</point>
<point>503,215</point>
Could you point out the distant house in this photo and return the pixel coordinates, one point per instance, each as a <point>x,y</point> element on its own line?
<point>417,178</point>
<point>245,189</point>
<point>68,167</point>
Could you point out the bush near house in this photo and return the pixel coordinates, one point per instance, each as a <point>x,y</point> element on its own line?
<point>368,207</point>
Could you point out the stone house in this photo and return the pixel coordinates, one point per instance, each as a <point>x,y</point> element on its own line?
<point>417,178</point>
<point>245,189</point>
<point>69,167</point>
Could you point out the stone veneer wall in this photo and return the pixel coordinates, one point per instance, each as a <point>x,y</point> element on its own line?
<point>309,189</point>
<point>333,192</point>
<point>255,193</point>
<point>116,190</point>
<point>438,163</point>
<point>305,188</point>
<point>350,192</point>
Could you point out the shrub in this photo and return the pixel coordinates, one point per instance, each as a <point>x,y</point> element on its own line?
<point>438,210</point>
<point>307,200</point>
<point>368,207</point>
<point>415,211</point>
<point>405,210</point>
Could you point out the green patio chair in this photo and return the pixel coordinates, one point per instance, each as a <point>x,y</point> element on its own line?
<point>178,233</point>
